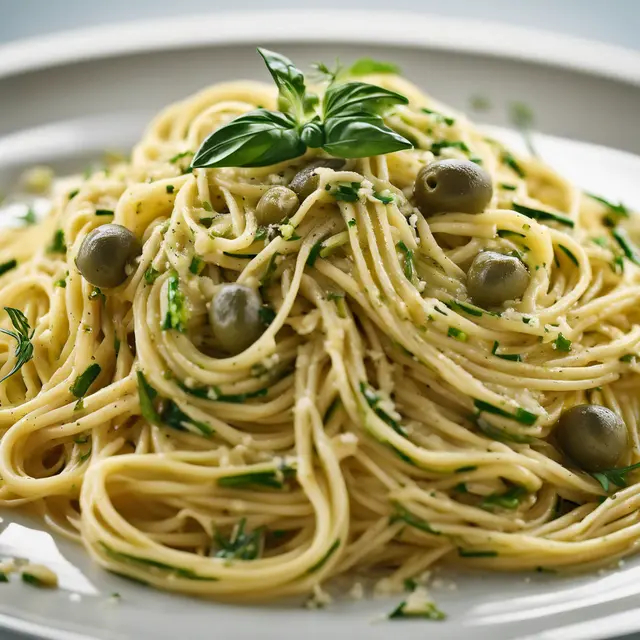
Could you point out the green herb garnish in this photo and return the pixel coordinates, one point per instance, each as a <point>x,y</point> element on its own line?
<point>373,400</point>
<point>349,125</point>
<point>176,317</point>
<point>274,479</point>
<point>569,254</point>
<point>514,357</point>
<point>439,116</point>
<point>521,415</point>
<point>562,344</point>
<point>151,275</point>
<point>430,612</point>
<point>96,294</point>
<point>82,383</point>
<point>170,189</point>
<point>386,197</point>
<point>318,565</point>
<point>7,266</point>
<point>508,500</point>
<point>539,214</point>
<point>471,309</point>
<point>345,191</point>
<point>104,212</point>
<point>617,477</point>
<point>437,147</point>
<point>511,162</point>
<point>241,544</point>
<point>402,514</point>
<point>314,253</point>
<point>627,246</point>
<point>24,348</point>
<point>456,333</point>
<point>147,562</point>
<point>57,244</point>
<point>409,267</point>
<point>196,266</point>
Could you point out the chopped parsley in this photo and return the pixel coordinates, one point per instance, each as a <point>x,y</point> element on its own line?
<point>627,246</point>
<point>314,253</point>
<point>104,212</point>
<point>629,357</point>
<point>352,222</point>
<point>439,116</point>
<point>176,316</point>
<point>179,156</point>
<point>539,214</point>
<point>345,191</point>
<point>72,194</point>
<point>57,244</point>
<point>196,266</point>
<point>508,187</point>
<point>403,515</point>
<point>82,383</point>
<point>151,275</point>
<point>514,357</point>
<point>7,266</point>
<point>409,266</point>
<point>437,147</point>
<point>512,163</point>
<point>147,562</point>
<point>241,544</point>
<point>170,188</point>
<point>456,333</point>
<point>373,400</point>
<point>569,254</point>
<point>318,565</point>
<point>96,294</point>
<point>273,479</point>
<point>508,500</point>
<point>429,611</point>
<point>562,344</point>
<point>386,197</point>
<point>521,415</point>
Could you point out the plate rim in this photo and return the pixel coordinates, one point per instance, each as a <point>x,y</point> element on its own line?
<point>399,28</point>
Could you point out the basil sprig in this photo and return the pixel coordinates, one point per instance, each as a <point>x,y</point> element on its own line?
<point>348,124</point>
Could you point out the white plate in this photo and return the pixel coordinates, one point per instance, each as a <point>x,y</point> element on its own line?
<point>65,99</point>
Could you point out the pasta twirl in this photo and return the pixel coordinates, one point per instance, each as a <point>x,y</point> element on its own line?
<point>380,421</point>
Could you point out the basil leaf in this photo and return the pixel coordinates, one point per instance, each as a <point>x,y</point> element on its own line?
<point>359,98</point>
<point>289,80</point>
<point>256,139</point>
<point>359,135</point>
<point>363,66</point>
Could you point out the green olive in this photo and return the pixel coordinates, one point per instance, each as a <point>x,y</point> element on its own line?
<point>494,278</point>
<point>235,317</point>
<point>594,437</point>
<point>104,254</point>
<point>305,182</point>
<point>275,204</point>
<point>458,186</point>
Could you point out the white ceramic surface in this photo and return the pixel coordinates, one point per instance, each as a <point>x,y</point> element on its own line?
<point>65,113</point>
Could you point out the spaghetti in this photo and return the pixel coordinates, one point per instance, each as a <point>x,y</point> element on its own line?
<point>380,421</point>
